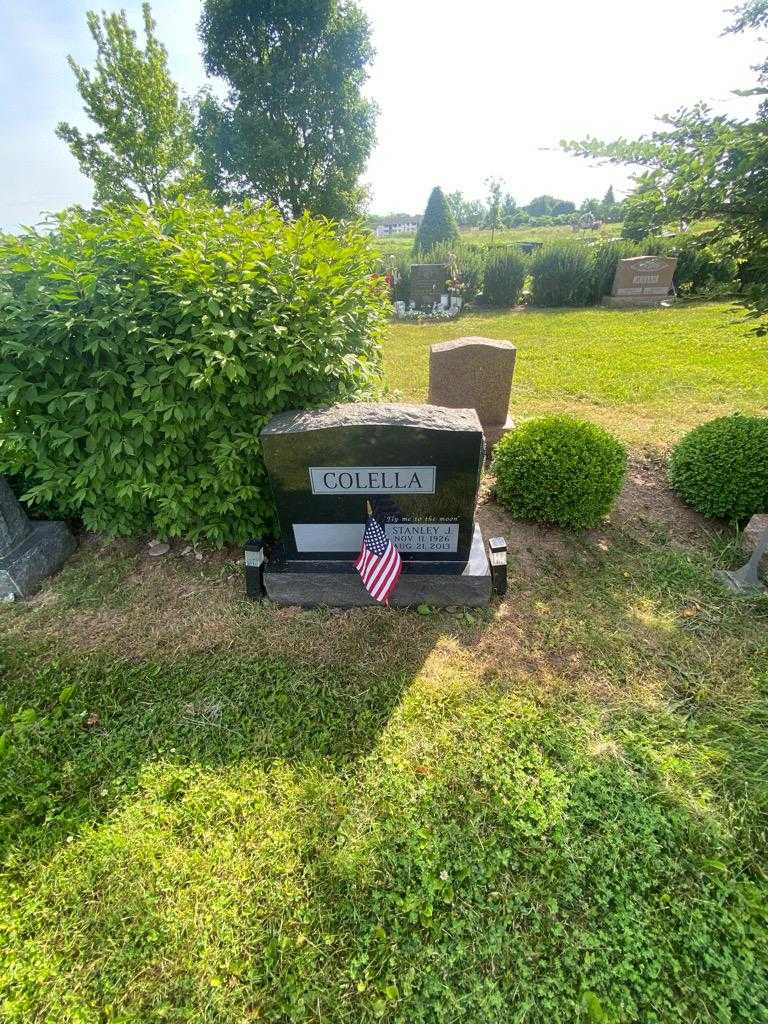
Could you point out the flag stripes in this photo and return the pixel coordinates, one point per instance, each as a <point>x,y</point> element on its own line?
<point>379,562</point>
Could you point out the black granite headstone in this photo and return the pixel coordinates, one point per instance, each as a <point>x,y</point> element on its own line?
<point>418,467</point>
<point>428,282</point>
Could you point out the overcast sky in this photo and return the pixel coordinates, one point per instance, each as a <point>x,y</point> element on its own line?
<point>465,89</point>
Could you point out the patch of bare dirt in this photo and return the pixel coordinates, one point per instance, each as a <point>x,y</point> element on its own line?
<point>113,595</point>
<point>646,509</point>
<point>648,505</point>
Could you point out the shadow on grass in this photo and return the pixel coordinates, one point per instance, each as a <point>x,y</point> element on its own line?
<point>459,823</point>
<point>80,730</point>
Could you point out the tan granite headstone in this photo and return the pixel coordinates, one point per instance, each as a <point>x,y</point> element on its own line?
<point>475,373</point>
<point>642,281</point>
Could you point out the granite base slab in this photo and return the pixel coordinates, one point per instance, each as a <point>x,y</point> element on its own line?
<point>42,551</point>
<point>468,586</point>
<point>637,301</point>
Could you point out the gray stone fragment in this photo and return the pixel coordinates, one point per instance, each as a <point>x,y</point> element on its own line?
<point>14,525</point>
<point>44,550</point>
<point>29,551</point>
<point>754,530</point>
<point>746,580</point>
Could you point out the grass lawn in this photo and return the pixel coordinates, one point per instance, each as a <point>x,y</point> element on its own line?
<point>551,811</point>
<point>482,236</point>
<point>647,375</point>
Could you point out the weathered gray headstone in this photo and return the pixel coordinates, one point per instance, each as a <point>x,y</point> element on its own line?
<point>475,373</point>
<point>642,281</point>
<point>29,551</point>
<point>419,468</point>
<point>428,282</point>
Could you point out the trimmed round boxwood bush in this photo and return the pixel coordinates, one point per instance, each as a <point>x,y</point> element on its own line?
<point>721,467</point>
<point>557,469</point>
<point>142,351</point>
<point>504,278</point>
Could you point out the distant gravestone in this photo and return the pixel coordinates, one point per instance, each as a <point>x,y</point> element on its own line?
<point>428,282</point>
<point>419,469</point>
<point>475,373</point>
<point>642,281</point>
<point>29,551</point>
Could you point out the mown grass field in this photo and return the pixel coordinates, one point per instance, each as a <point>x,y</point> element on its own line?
<point>551,811</point>
<point>647,375</point>
<point>556,232</point>
<point>482,236</point>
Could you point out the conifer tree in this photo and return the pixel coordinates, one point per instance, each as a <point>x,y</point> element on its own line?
<point>437,225</point>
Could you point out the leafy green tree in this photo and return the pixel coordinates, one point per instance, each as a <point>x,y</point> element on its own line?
<point>294,127</point>
<point>493,219</point>
<point>508,209</point>
<point>549,206</point>
<point>704,165</point>
<point>457,204</point>
<point>144,147</point>
<point>593,206</point>
<point>474,213</point>
<point>437,225</point>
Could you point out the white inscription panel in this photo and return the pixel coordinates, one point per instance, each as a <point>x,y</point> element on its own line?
<point>372,479</point>
<point>409,538</point>
<point>328,536</point>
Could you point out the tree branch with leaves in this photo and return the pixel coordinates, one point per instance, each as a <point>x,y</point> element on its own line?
<point>703,165</point>
<point>144,147</point>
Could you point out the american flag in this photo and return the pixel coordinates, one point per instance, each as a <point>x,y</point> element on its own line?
<point>379,562</point>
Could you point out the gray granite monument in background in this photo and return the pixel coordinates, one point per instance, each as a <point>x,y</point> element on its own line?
<point>29,551</point>
<point>419,468</point>
<point>475,373</point>
<point>428,282</point>
<point>642,281</point>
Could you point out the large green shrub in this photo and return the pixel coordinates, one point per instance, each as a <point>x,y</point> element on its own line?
<point>437,225</point>
<point>141,352</point>
<point>721,467</point>
<point>557,469</point>
<point>705,265</point>
<point>562,275</point>
<point>504,277</point>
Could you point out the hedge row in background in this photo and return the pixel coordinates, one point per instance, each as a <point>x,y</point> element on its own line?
<point>571,272</point>
<point>141,353</point>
